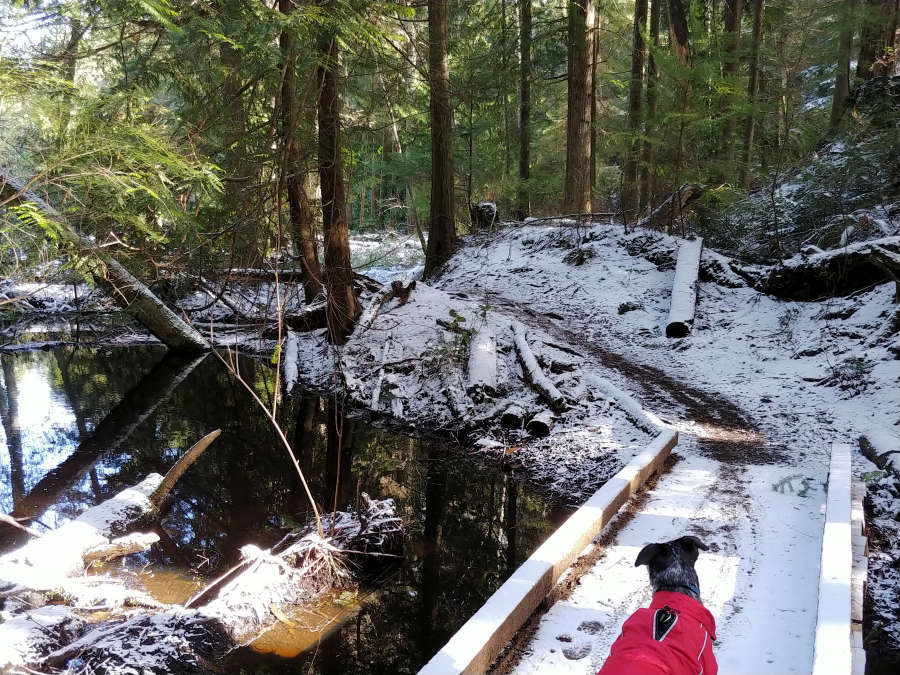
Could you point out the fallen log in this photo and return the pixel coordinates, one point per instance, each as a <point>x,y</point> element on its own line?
<point>533,373</point>
<point>399,288</point>
<point>672,209</point>
<point>835,273</point>
<point>482,366</point>
<point>130,293</point>
<point>541,424</point>
<point>885,458</point>
<point>245,602</point>
<point>684,289</point>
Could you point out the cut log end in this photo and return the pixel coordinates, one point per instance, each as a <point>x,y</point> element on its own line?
<point>677,329</point>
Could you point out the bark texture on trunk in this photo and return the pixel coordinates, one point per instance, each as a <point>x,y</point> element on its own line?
<point>678,31</point>
<point>442,219</point>
<point>522,199</point>
<point>842,78</point>
<point>759,7</point>
<point>731,67</point>
<point>343,307</point>
<point>130,293</point>
<point>876,39</point>
<point>302,225</point>
<point>577,187</point>
<point>648,172</point>
<point>630,184</point>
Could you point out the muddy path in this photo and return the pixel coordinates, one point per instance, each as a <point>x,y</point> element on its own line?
<point>724,431</point>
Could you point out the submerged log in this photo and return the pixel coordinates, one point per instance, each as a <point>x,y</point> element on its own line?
<point>482,365</point>
<point>684,289</point>
<point>245,602</point>
<point>533,373</point>
<point>130,293</point>
<point>135,407</point>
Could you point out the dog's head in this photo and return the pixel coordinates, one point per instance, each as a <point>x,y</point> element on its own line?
<point>671,565</point>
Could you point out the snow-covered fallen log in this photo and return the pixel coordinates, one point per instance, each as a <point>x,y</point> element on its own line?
<point>45,562</point>
<point>835,273</point>
<point>684,289</point>
<point>399,288</point>
<point>882,450</point>
<point>533,372</point>
<point>245,602</point>
<point>541,424</point>
<point>482,366</point>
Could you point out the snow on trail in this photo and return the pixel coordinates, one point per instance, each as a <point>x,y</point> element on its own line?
<point>747,390</point>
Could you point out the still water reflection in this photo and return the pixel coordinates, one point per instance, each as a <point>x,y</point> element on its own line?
<point>80,424</point>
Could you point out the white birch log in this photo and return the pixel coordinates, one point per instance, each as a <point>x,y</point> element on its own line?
<point>482,365</point>
<point>684,289</point>
<point>533,371</point>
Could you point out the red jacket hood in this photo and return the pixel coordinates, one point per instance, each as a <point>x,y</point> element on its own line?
<point>686,605</point>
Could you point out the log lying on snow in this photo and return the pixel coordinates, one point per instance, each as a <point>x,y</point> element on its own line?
<point>684,289</point>
<point>835,273</point>
<point>881,451</point>
<point>670,211</point>
<point>125,289</point>
<point>399,288</point>
<point>482,365</point>
<point>242,604</point>
<point>533,372</point>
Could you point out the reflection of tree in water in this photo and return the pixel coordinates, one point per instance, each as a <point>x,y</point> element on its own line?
<point>467,527</point>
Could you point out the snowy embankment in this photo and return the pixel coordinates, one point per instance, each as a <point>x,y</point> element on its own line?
<point>760,391</point>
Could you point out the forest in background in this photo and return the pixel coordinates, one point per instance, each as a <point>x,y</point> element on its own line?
<point>199,135</point>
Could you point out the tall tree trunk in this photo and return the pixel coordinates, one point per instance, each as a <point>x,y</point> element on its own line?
<point>759,7</point>
<point>678,31</point>
<point>842,79</point>
<point>876,39</point>
<point>238,215</point>
<point>442,227</point>
<point>595,113</point>
<point>630,185</point>
<point>522,200</point>
<point>343,307</point>
<point>577,187</point>
<point>648,174</point>
<point>731,66</point>
<point>70,60</point>
<point>303,228</point>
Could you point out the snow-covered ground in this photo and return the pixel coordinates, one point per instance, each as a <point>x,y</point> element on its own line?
<point>760,390</point>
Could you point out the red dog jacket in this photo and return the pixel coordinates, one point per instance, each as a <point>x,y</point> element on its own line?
<point>671,637</point>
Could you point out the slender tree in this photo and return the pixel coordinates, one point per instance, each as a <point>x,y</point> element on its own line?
<point>648,173</point>
<point>630,185</point>
<point>731,66</point>
<point>522,201</point>
<point>759,7</point>
<point>343,308</point>
<point>842,78</point>
<point>442,227</point>
<point>303,228</point>
<point>577,186</point>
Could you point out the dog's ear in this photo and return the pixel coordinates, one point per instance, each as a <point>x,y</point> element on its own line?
<point>691,544</point>
<point>648,553</point>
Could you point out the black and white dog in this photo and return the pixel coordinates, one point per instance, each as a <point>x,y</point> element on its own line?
<point>673,635</point>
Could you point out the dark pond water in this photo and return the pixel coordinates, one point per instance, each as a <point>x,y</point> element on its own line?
<point>80,424</point>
